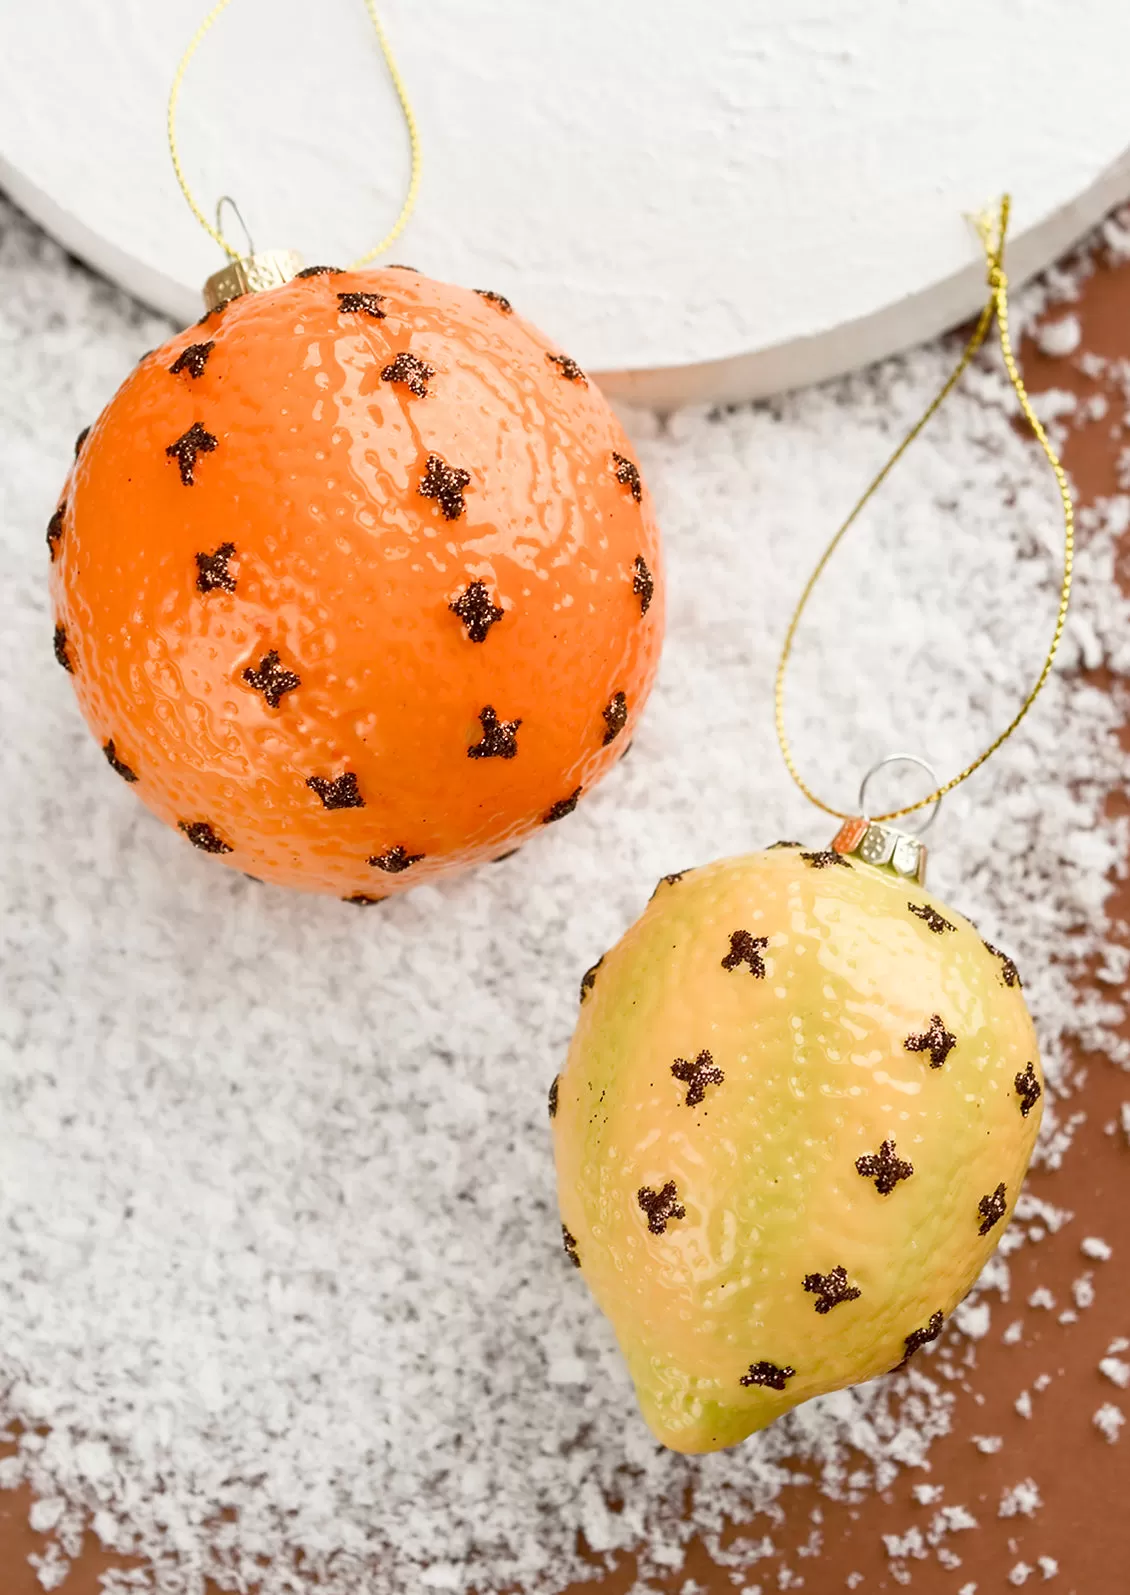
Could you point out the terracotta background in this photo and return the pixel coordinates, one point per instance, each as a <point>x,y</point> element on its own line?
<point>1084,1522</point>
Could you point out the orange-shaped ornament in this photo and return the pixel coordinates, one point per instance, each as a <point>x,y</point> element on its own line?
<point>358,582</point>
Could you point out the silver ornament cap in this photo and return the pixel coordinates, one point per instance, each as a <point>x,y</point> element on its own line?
<point>884,846</point>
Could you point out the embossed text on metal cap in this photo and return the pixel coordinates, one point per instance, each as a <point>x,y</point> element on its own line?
<point>251,274</point>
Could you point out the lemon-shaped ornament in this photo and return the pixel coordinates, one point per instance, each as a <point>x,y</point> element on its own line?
<point>797,1110</point>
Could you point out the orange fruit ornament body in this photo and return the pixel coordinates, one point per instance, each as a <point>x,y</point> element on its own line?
<point>358,582</point>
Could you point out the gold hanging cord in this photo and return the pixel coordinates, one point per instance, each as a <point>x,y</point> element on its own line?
<point>992,237</point>
<point>405,106</point>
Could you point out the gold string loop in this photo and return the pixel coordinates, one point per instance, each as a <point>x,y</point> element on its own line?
<point>214,232</point>
<point>991,231</point>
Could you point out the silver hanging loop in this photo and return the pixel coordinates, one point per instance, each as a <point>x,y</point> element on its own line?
<point>887,847</point>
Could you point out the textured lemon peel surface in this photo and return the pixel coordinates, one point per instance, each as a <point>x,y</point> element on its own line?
<point>816,1074</point>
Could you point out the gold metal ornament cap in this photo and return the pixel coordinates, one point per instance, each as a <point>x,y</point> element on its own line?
<point>251,274</point>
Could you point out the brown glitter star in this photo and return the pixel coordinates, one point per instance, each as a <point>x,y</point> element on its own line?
<point>499,301</point>
<point>767,1374</point>
<point>563,806</point>
<point>475,610</point>
<point>80,440</point>
<point>193,359</point>
<point>696,1077</point>
<point>340,793</point>
<point>364,304</point>
<point>116,764</point>
<point>445,483</point>
<point>412,371</point>
<point>831,1289</point>
<point>931,917</point>
<point>1027,1089</point>
<point>774,845</point>
<point>395,860</point>
<point>660,1206</point>
<point>627,473</point>
<point>362,900</point>
<point>668,880</point>
<point>746,949</point>
<point>588,979</point>
<point>615,717</point>
<point>272,678</point>
<point>197,440</point>
<point>570,1246</point>
<point>553,1097</point>
<point>921,1337</point>
<point>1008,970</point>
<point>55,530</point>
<point>643,584</point>
<point>323,271</point>
<point>201,835</point>
<point>62,657</point>
<point>217,309</point>
<point>884,1168</point>
<point>825,860</point>
<point>992,1209</point>
<point>500,737</point>
<point>936,1040</point>
<point>568,368</point>
<point>212,570</point>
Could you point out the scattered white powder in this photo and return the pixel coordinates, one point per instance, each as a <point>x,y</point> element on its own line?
<point>1108,1420</point>
<point>1117,1345</point>
<point>967,1589</point>
<point>1083,1290</point>
<point>1041,1297</point>
<point>45,1514</point>
<point>281,1239</point>
<point>988,1444</point>
<point>951,1520</point>
<point>1023,1404</point>
<point>1124,1114</point>
<point>948,1559</point>
<point>1069,1316</point>
<point>854,1580</point>
<point>1030,1206</point>
<point>900,1546</point>
<point>1048,1566</point>
<point>1020,1573</point>
<point>1092,1246</point>
<point>1014,1333</point>
<point>1041,1382</point>
<point>927,1494</point>
<point>1062,337</point>
<point>1023,1500</point>
<point>972,1318</point>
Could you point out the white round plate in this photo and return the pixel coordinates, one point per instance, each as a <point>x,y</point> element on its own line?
<point>706,200</point>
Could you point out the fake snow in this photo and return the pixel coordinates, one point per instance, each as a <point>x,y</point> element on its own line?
<point>1108,1420</point>
<point>282,1298</point>
<point>1099,1250</point>
<point>1117,1371</point>
<point>1023,1500</point>
<point>1061,337</point>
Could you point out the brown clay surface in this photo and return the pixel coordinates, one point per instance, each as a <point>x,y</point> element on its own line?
<point>1084,1522</point>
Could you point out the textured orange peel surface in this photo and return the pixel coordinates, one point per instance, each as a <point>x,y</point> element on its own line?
<point>359,581</point>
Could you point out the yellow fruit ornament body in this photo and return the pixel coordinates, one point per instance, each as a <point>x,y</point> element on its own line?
<point>794,1120</point>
